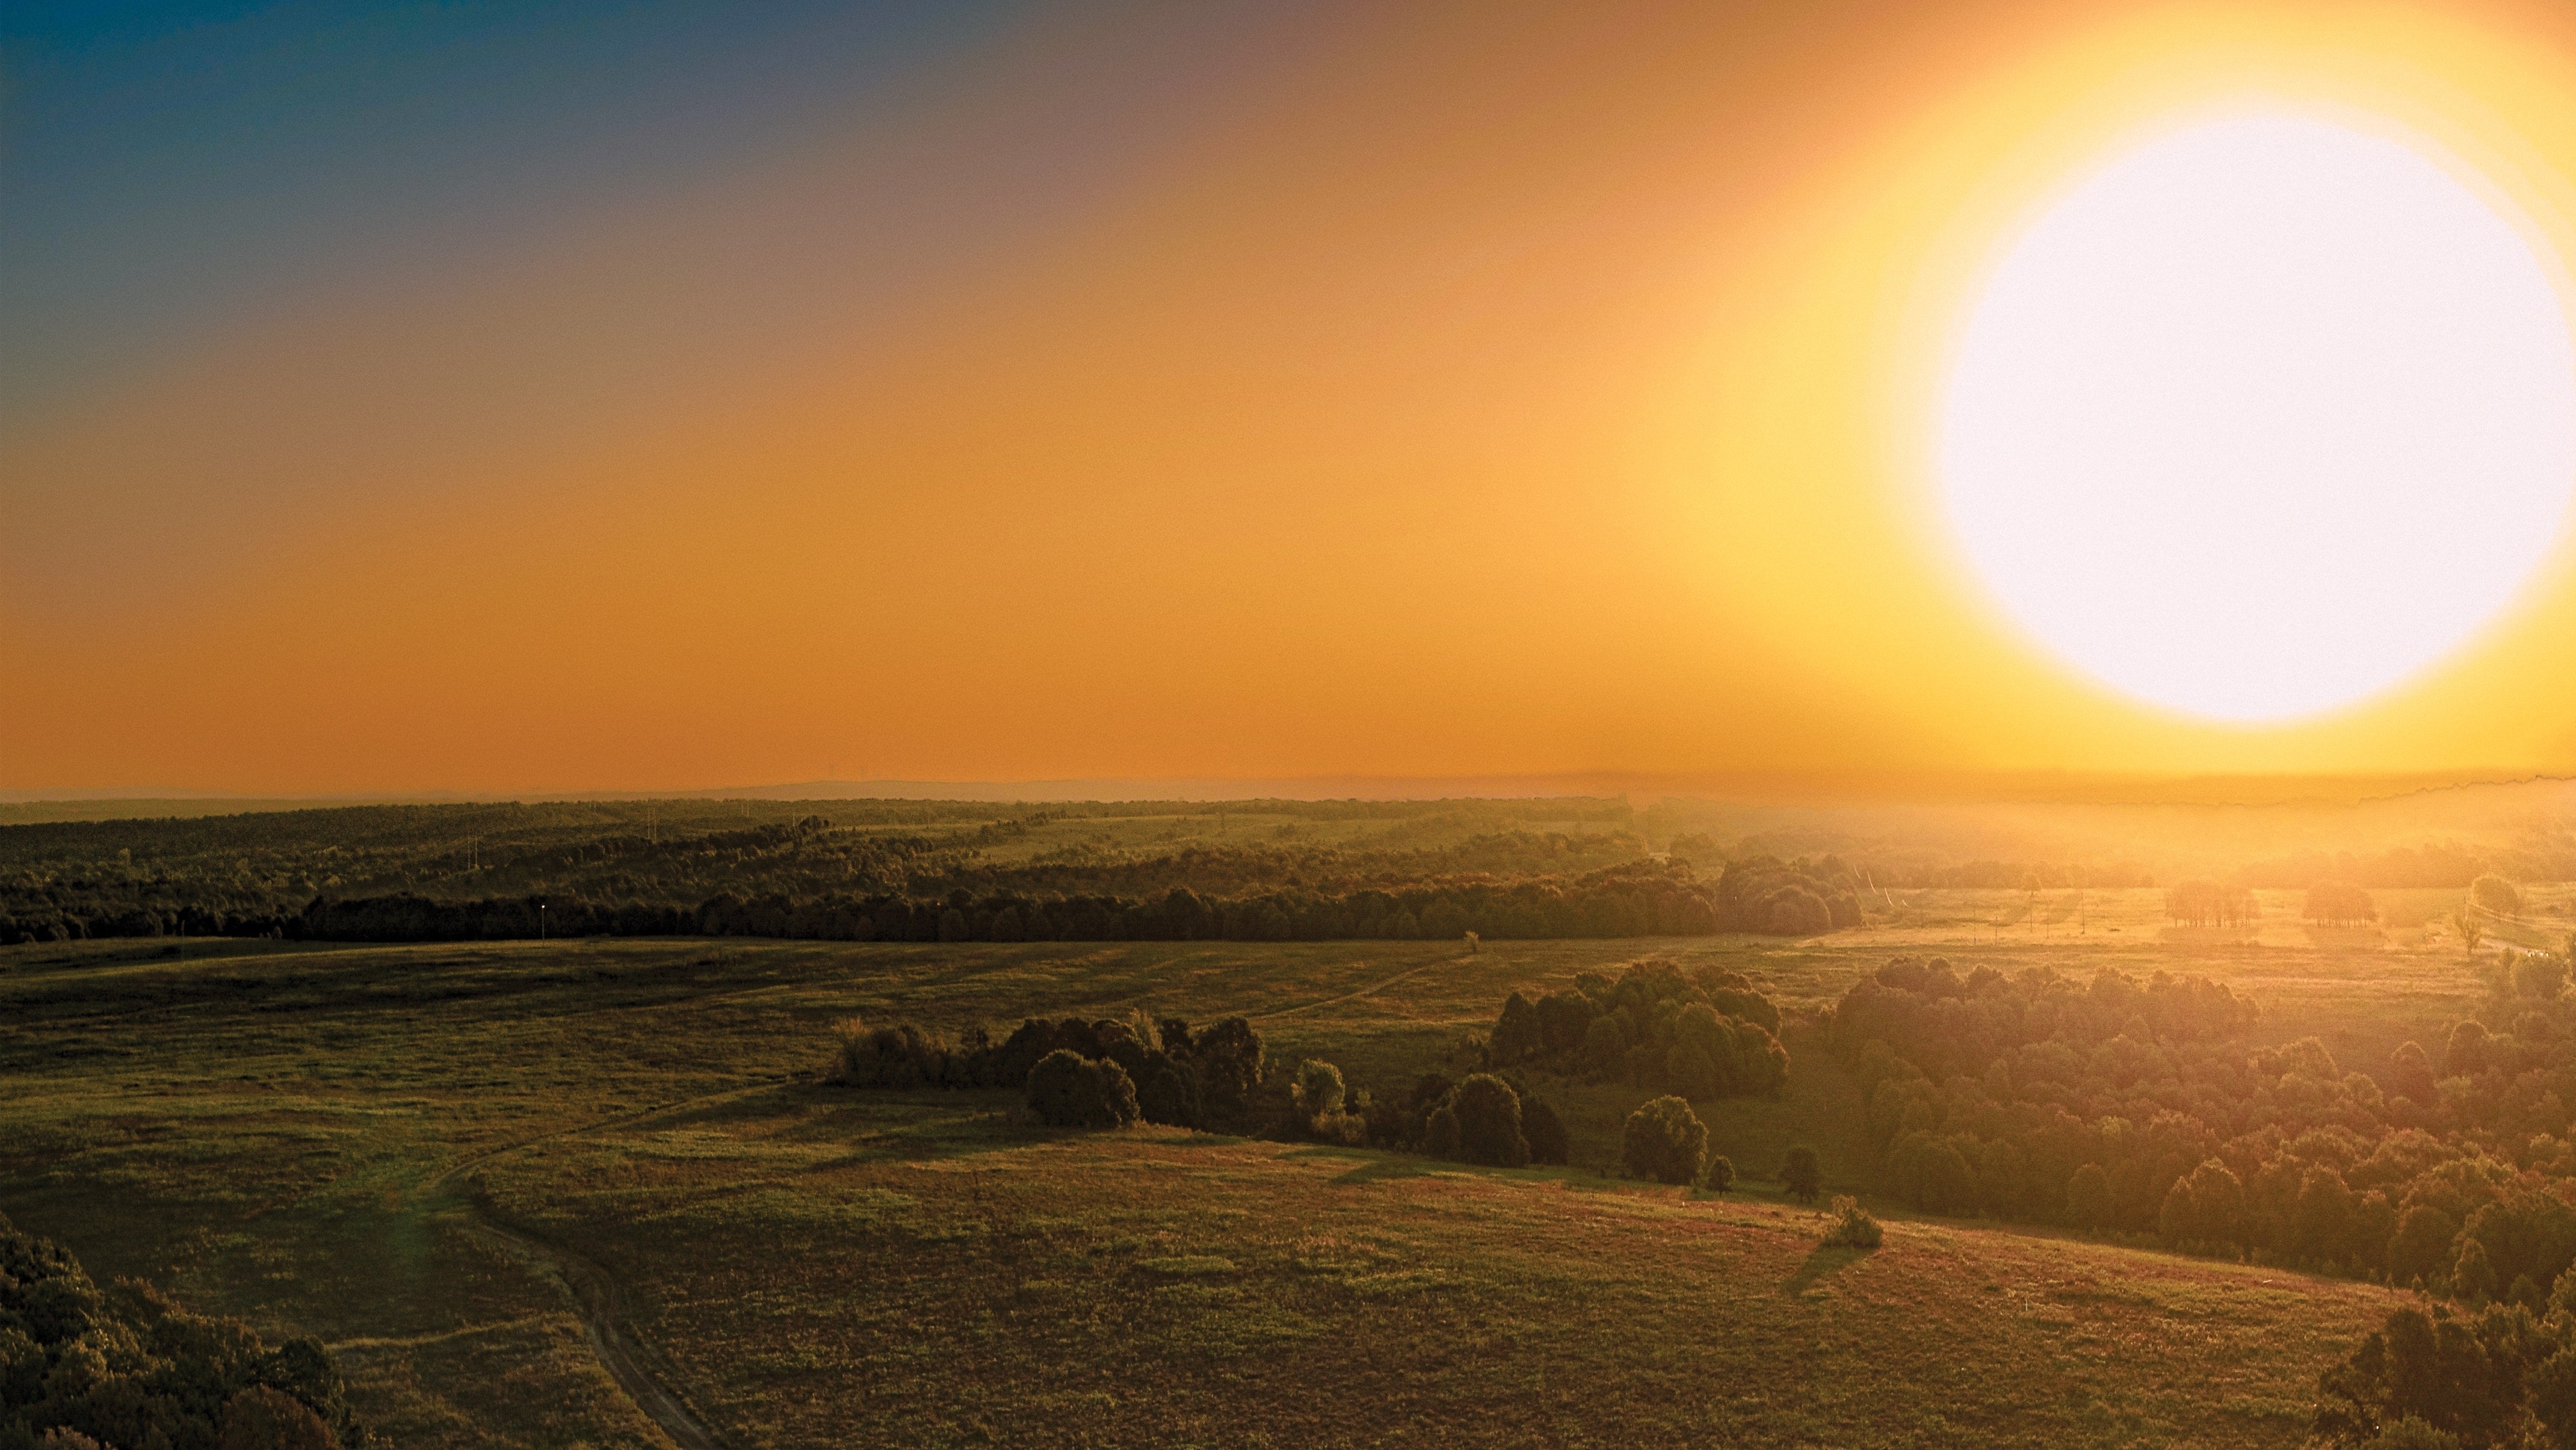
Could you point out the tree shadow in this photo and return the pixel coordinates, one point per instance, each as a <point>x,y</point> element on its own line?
<point>1827,1261</point>
<point>1370,1165</point>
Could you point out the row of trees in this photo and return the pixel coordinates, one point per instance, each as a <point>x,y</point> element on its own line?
<point>2210,903</point>
<point>79,1368</point>
<point>1117,1071</point>
<point>1124,1068</point>
<point>2442,865</point>
<point>1641,899</point>
<point>2340,903</point>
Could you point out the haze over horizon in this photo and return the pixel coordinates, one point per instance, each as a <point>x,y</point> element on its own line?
<point>633,398</point>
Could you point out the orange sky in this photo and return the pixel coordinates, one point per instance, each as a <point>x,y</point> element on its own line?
<point>1452,393</point>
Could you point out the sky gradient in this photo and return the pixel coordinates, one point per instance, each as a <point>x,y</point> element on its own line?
<point>599,396</point>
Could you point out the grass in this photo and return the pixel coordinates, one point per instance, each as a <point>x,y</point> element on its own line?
<point>325,1139</point>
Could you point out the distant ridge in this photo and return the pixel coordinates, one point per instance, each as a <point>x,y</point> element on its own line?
<point>1747,788</point>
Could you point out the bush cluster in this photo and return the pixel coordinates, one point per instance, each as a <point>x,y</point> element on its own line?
<point>1322,1110</point>
<point>79,1367</point>
<point>1165,1070</point>
<point>1701,1037</point>
<point>1766,895</point>
<point>1489,1118</point>
<point>2503,1376</point>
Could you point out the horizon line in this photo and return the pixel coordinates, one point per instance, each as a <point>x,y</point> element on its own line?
<point>1756,788</point>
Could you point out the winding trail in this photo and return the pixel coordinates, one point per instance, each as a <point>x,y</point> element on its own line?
<point>597,1296</point>
<point>600,1300</point>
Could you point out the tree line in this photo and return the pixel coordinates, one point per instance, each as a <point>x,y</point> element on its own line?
<point>439,873</point>
<point>1646,898</point>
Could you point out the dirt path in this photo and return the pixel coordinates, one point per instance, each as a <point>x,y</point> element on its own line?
<point>1367,991</point>
<point>596,1295</point>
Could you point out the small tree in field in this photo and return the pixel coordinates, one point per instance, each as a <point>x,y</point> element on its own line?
<point>1802,1174</point>
<point>1664,1141</point>
<point>2471,932</point>
<point>1719,1175</point>
<point>1853,1227</point>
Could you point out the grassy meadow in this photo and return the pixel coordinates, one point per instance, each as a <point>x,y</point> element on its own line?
<point>401,1149</point>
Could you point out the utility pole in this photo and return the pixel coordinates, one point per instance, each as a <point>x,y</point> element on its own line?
<point>541,921</point>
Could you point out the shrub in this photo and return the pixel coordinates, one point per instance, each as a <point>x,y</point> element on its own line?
<point>1440,1130</point>
<point>1605,1048</point>
<point>1563,1019</point>
<point>1228,1057</point>
<point>1664,1141</point>
<point>1318,1090</point>
<point>1167,1092</point>
<point>1802,1175</point>
<point>1429,1091</point>
<point>1853,1227</point>
<point>1796,911</point>
<point>2412,1433</point>
<point>899,1057</point>
<point>1719,1175</point>
<point>1544,1130</point>
<point>1348,1129</point>
<point>1485,1115</point>
<point>2495,894</point>
<point>1518,1036</point>
<point>1068,1090</point>
<point>260,1418</point>
<point>2539,975</point>
<point>1320,1108</point>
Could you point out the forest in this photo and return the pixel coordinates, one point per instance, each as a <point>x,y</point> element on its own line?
<point>2145,1108</point>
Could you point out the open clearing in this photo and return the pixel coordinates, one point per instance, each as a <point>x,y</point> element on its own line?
<point>435,1156</point>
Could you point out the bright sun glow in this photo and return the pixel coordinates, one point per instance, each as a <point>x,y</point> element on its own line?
<point>2260,418</point>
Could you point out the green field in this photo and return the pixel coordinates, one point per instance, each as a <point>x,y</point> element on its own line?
<point>440,1158</point>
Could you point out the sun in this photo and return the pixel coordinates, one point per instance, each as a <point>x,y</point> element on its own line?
<point>2261,416</point>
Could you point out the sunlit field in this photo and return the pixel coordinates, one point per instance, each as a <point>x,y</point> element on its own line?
<point>440,1159</point>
